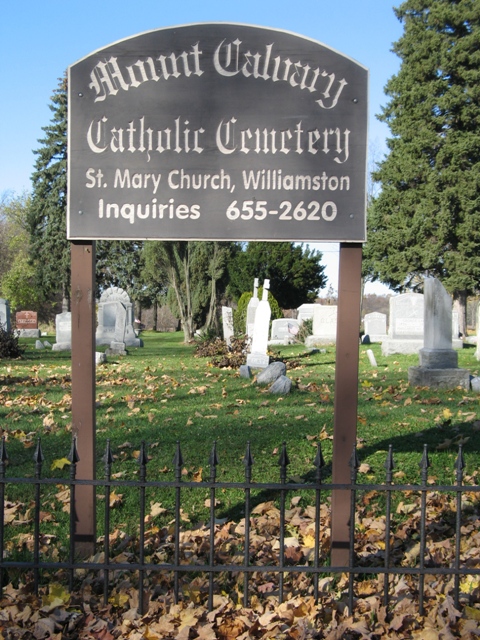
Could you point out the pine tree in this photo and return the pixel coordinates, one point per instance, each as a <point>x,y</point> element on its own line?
<point>426,219</point>
<point>295,272</point>
<point>49,247</point>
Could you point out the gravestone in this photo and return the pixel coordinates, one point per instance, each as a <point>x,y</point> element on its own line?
<point>252,309</point>
<point>117,345</point>
<point>5,314</point>
<point>477,350</point>
<point>405,331</point>
<point>258,358</point>
<point>26,324</point>
<point>438,360</point>
<point>227,323</point>
<point>63,332</point>
<point>284,331</point>
<point>305,311</point>
<point>116,302</point>
<point>375,326</point>
<point>324,325</point>
<point>371,358</point>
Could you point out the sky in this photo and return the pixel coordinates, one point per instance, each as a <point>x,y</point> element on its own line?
<point>39,40</point>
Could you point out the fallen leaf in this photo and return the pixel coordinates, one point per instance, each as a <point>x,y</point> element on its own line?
<point>59,463</point>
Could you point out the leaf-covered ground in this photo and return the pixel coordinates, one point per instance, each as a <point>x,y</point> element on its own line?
<point>83,614</point>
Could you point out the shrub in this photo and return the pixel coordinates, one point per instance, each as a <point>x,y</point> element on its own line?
<point>9,345</point>
<point>306,329</point>
<point>240,313</point>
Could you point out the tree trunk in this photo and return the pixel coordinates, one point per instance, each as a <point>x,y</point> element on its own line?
<point>155,315</point>
<point>212,320</point>
<point>460,305</point>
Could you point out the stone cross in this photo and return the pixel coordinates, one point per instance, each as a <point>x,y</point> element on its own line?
<point>258,356</point>
<point>252,309</point>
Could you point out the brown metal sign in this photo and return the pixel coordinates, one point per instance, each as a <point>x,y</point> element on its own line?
<point>217,132</point>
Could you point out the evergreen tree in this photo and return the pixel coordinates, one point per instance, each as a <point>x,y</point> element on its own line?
<point>17,275</point>
<point>49,247</point>
<point>426,219</point>
<point>294,271</point>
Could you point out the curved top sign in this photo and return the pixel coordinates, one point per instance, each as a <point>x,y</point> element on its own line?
<point>217,132</point>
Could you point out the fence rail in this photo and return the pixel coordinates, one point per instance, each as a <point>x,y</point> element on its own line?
<point>174,562</point>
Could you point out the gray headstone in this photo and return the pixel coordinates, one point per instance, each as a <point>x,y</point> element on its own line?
<point>438,360</point>
<point>63,332</point>
<point>282,385</point>
<point>227,323</point>
<point>39,345</point>
<point>245,371</point>
<point>5,314</point>
<point>116,302</point>
<point>100,357</point>
<point>375,326</point>
<point>116,349</point>
<point>284,330</point>
<point>475,384</point>
<point>120,323</point>
<point>271,373</point>
<point>438,315</point>
<point>437,352</point>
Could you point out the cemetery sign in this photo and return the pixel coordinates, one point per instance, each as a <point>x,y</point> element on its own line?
<point>217,132</point>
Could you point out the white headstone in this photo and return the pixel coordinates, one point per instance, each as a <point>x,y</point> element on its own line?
<point>5,314</point>
<point>63,332</point>
<point>252,309</point>
<point>258,357</point>
<point>405,331</point>
<point>371,358</point>
<point>375,326</point>
<point>227,322</point>
<point>305,311</point>
<point>324,325</point>
<point>406,316</point>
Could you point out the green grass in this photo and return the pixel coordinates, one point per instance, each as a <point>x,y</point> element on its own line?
<point>162,394</point>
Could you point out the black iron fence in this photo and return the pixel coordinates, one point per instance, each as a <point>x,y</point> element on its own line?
<point>179,553</point>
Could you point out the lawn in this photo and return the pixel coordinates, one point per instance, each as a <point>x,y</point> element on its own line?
<point>162,394</point>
